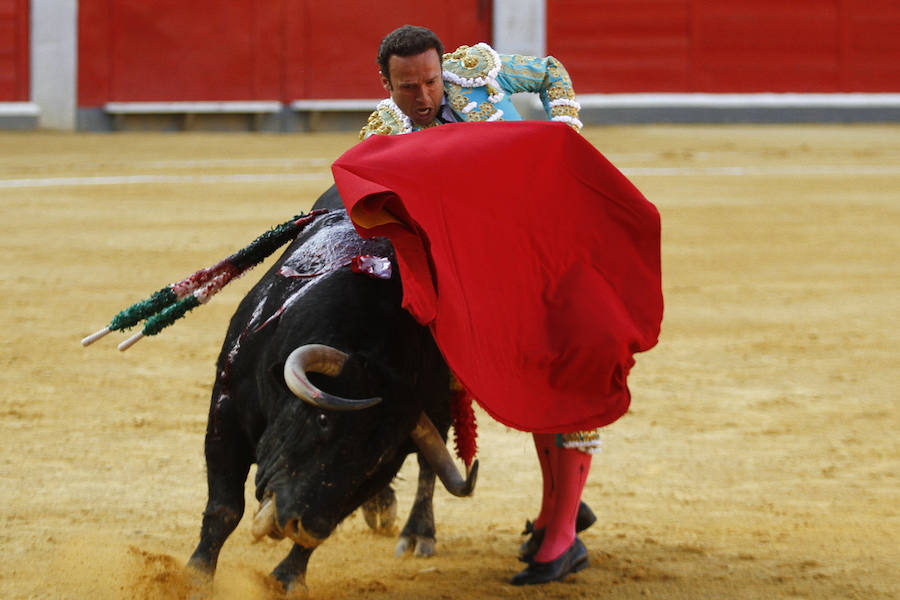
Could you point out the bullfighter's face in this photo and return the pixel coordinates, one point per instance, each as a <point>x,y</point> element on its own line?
<point>415,85</point>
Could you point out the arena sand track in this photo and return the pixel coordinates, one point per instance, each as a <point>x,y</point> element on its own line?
<point>760,460</point>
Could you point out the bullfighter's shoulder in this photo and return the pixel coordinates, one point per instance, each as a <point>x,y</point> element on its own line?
<point>386,119</point>
<point>471,66</point>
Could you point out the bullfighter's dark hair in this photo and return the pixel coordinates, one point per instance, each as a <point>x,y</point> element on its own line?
<point>408,40</point>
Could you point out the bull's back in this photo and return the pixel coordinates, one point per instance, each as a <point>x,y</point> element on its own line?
<point>312,276</point>
<point>330,199</point>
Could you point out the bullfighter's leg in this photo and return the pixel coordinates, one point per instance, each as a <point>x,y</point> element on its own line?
<point>561,552</point>
<point>545,444</point>
<point>572,470</point>
<point>228,460</point>
<point>291,572</point>
<point>418,533</point>
<point>380,510</point>
<point>547,451</point>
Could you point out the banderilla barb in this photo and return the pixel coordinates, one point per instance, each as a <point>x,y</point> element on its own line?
<point>174,301</point>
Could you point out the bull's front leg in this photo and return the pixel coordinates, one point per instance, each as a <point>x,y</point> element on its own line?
<point>291,572</point>
<point>228,460</point>
<point>418,533</point>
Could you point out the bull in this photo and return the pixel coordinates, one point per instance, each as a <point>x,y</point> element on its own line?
<point>327,384</point>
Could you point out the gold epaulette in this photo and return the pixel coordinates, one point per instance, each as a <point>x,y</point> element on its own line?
<point>386,119</point>
<point>471,66</point>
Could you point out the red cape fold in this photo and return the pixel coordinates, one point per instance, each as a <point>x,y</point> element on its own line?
<point>533,260</point>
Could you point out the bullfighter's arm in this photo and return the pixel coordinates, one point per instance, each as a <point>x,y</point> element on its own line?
<point>548,78</point>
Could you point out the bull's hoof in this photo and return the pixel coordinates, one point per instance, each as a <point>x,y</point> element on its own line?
<point>380,512</point>
<point>201,580</point>
<point>291,572</point>
<point>419,546</point>
<point>293,585</point>
<point>297,591</point>
<point>382,521</point>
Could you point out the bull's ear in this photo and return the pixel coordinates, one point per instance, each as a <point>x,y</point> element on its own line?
<point>360,378</point>
<point>381,380</point>
<point>276,372</point>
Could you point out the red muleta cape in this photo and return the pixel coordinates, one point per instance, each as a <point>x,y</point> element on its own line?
<point>533,260</point>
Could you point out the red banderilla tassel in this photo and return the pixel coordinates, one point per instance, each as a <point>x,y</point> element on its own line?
<point>464,426</point>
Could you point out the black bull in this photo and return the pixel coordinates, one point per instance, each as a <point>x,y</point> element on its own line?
<point>330,445</point>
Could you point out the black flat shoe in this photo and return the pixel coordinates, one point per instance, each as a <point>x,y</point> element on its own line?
<point>574,559</point>
<point>529,547</point>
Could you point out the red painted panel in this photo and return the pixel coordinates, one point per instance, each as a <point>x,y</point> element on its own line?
<point>737,46</point>
<point>269,49</point>
<point>199,50</point>
<point>333,48</point>
<point>171,50</point>
<point>295,58</point>
<point>621,45</point>
<point>766,46</point>
<point>871,46</point>
<point>14,60</point>
<point>294,49</point>
<point>93,52</point>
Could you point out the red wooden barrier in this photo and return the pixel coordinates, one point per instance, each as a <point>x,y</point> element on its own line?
<point>332,46</point>
<point>301,49</point>
<point>739,46</point>
<point>14,60</point>
<point>172,50</point>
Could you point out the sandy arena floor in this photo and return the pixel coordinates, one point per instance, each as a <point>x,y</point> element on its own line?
<point>761,458</point>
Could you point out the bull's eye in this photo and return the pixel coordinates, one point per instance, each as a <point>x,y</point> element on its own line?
<point>323,422</point>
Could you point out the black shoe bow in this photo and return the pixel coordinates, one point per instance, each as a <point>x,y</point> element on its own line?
<point>529,547</point>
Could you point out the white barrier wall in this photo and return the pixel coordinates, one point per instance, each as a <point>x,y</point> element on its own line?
<point>54,61</point>
<point>520,27</point>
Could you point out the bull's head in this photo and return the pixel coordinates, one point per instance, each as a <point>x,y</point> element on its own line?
<point>325,360</point>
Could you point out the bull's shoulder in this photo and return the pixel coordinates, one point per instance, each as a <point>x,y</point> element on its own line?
<point>328,244</point>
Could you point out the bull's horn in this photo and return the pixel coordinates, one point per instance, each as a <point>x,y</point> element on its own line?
<point>264,521</point>
<point>316,358</point>
<point>434,449</point>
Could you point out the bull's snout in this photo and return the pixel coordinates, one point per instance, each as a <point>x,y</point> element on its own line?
<point>265,522</point>
<point>295,531</point>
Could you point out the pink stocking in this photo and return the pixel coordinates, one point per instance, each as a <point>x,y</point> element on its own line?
<point>572,469</point>
<point>545,444</point>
